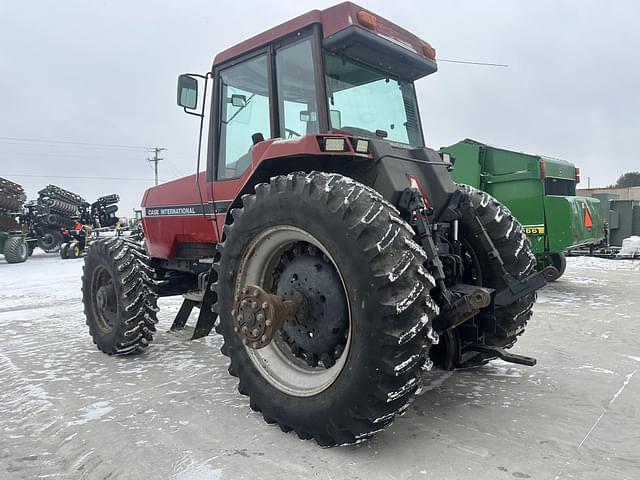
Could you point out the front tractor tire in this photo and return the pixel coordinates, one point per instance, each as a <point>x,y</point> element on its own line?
<point>120,304</point>
<point>353,356</point>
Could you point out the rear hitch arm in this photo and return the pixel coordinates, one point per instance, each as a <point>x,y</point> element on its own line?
<point>503,354</point>
<point>517,289</point>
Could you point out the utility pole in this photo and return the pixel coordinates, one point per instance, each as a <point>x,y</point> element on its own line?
<point>155,161</point>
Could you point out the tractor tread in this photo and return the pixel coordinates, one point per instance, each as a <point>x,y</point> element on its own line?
<point>127,262</point>
<point>404,308</point>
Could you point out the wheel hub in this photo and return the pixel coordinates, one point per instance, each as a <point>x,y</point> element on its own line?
<point>257,315</point>
<point>317,330</point>
<point>104,297</point>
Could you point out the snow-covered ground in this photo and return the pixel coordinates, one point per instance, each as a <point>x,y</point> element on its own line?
<point>69,411</point>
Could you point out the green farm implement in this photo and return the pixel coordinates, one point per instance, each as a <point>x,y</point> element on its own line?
<point>540,191</point>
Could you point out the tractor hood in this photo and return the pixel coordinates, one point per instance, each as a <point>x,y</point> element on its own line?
<point>174,218</point>
<point>180,192</point>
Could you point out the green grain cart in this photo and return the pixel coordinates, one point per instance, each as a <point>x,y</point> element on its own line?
<point>540,191</point>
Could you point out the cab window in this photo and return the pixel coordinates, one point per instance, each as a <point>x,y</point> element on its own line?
<point>298,105</point>
<point>244,111</point>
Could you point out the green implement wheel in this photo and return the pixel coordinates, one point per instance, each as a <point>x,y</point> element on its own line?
<point>559,261</point>
<point>16,250</point>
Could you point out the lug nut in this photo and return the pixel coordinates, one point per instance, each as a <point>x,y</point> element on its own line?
<point>268,323</point>
<point>255,332</point>
<point>243,303</point>
<point>265,305</point>
<point>263,339</point>
<point>260,317</point>
<point>245,330</point>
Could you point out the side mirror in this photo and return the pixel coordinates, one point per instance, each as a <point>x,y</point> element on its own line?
<point>238,100</point>
<point>187,92</point>
<point>335,118</point>
<point>307,116</point>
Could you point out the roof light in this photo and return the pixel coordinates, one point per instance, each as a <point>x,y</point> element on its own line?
<point>367,20</point>
<point>428,51</point>
<point>362,146</point>
<point>334,144</point>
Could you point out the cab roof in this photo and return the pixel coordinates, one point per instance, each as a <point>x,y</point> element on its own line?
<point>335,21</point>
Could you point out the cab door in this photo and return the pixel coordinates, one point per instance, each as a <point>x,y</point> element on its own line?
<point>244,100</point>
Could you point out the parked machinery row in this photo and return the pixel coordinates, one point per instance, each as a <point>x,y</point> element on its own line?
<point>55,209</point>
<point>57,217</point>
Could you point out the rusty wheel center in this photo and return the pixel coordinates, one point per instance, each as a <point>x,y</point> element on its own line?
<point>258,315</point>
<point>277,299</point>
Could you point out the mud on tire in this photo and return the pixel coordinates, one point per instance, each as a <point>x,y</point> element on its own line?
<point>513,245</point>
<point>120,304</point>
<point>387,291</point>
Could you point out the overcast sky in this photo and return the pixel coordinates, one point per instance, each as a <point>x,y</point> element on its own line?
<point>105,73</point>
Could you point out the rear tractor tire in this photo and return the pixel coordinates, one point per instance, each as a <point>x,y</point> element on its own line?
<point>514,248</point>
<point>353,355</point>
<point>16,250</point>
<point>120,304</point>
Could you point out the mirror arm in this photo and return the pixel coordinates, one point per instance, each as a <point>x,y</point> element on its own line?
<point>200,114</point>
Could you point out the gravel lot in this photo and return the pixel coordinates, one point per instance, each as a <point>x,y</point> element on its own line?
<point>69,411</point>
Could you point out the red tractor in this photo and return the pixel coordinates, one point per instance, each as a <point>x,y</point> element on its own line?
<point>325,242</point>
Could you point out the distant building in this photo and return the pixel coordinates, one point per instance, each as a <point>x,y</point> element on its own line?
<point>630,193</point>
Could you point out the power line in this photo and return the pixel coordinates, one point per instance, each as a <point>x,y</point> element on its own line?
<point>175,169</point>
<point>62,155</point>
<point>61,142</point>
<point>466,62</point>
<point>79,177</point>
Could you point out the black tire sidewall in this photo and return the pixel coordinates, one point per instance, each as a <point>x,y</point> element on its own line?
<point>353,267</point>
<point>106,341</point>
<point>15,250</point>
<point>390,318</point>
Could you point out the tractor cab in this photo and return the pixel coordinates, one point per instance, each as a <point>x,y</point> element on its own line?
<point>342,72</point>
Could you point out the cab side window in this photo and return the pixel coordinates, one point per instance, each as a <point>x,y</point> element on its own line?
<point>298,106</point>
<point>244,111</point>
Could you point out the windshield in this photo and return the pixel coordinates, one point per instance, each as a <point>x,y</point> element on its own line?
<point>367,102</point>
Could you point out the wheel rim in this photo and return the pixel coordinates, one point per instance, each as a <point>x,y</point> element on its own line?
<point>48,241</point>
<point>104,303</point>
<point>22,251</point>
<point>276,362</point>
